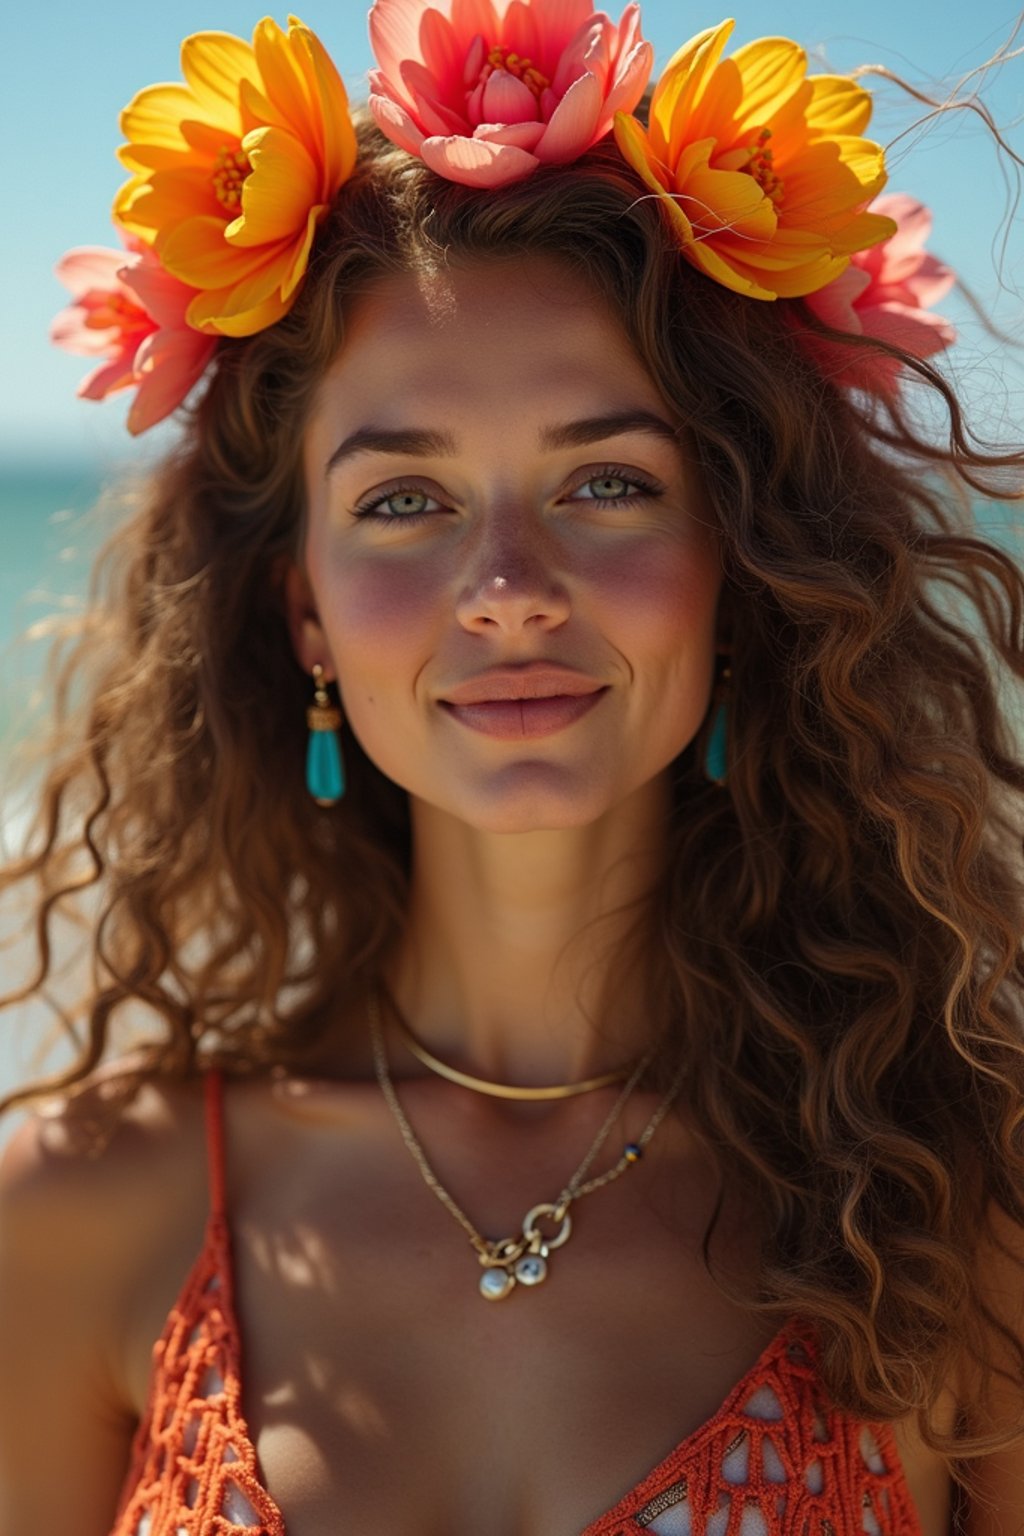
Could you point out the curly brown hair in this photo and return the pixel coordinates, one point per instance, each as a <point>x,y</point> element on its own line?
<point>837,936</point>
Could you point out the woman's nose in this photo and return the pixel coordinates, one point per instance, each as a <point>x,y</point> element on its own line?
<point>513,584</point>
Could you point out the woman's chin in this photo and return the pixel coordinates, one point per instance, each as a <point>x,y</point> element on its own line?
<point>531,798</point>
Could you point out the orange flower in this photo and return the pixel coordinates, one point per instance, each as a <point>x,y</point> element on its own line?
<point>233,170</point>
<point>761,167</point>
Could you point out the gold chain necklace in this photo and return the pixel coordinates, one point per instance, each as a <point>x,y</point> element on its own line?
<point>484,1085</point>
<point>509,1260</point>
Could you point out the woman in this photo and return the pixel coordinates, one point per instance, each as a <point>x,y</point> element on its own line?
<point>651,895</point>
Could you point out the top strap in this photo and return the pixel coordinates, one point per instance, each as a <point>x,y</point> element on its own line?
<point>214,1089</point>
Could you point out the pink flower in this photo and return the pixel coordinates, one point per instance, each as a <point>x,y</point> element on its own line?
<point>486,90</point>
<point>131,312</point>
<point>887,292</point>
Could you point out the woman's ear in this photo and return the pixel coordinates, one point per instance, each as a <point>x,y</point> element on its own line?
<point>308,638</point>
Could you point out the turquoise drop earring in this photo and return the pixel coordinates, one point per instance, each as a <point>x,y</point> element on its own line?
<point>714,752</point>
<point>325,773</point>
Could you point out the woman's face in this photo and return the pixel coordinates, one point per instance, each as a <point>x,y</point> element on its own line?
<point>495,488</point>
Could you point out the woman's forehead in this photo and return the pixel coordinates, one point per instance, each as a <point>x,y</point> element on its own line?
<point>491,328</point>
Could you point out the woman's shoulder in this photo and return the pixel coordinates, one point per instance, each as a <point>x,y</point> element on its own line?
<point>106,1126</point>
<point>91,1176</point>
<point>101,1189</point>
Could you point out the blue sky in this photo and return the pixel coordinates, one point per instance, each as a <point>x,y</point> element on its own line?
<point>69,69</point>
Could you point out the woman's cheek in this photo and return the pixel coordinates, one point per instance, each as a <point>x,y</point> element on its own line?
<point>380,606</point>
<point>660,588</point>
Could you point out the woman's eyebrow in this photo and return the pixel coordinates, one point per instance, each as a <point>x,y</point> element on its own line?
<point>411,440</point>
<point>592,429</point>
<point>422,443</point>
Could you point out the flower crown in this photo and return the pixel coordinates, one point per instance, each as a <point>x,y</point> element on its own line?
<point>761,169</point>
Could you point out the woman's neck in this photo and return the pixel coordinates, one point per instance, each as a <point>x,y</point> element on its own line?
<point>503,967</point>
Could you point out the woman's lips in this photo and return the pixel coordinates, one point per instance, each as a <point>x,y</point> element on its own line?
<point>514,719</point>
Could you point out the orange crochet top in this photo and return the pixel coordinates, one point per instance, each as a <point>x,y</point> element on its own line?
<point>775,1460</point>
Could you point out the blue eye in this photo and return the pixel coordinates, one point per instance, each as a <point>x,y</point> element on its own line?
<point>609,487</point>
<point>613,487</point>
<point>410,504</point>
<point>407,504</point>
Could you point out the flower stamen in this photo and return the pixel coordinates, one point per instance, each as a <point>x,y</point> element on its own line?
<point>759,165</point>
<point>515,64</point>
<point>230,169</point>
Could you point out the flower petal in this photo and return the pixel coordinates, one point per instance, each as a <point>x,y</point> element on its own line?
<point>770,70</point>
<point>72,329</point>
<point>917,331</point>
<point>278,192</point>
<point>432,114</point>
<point>168,364</point>
<point>864,230</point>
<point>634,147</point>
<point>166,200</point>
<point>394,37</point>
<point>524,135</point>
<point>629,30</point>
<point>507,100</point>
<point>836,303</point>
<point>788,249</point>
<point>573,123</point>
<point>197,253</point>
<point>283,83</point>
<point>469,17</point>
<point>213,64</point>
<point>440,50</point>
<point>256,110</point>
<point>89,266</point>
<point>395,123</point>
<point>545,40</point>
<point>912,218</point>
<point>715,113</point>
<point>730,274</point>
<point>717,201</point>
<point>205,140</point>
<point>211,312</point>
<point>838,106</point>
<point>334,142</point>
<point>522,31</point>
<point>583,53</point>
<point>783,273</point>
<point>630,84</point>
<point>162,296</point>
<point>680,85</point>
<point>119,373</point>
<point>475,163</point>
<point>154,115</point>
<point>295,270</point>
<point>931,282</point>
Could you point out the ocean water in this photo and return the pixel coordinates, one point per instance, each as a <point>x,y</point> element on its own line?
<point>46,550</point>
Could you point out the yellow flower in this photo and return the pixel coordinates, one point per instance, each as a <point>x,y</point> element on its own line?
<point>233,170</point>
<point>761,167</point>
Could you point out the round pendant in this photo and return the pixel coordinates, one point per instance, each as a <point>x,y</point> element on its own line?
<point>531,1269</point>
<point>495,1284</point>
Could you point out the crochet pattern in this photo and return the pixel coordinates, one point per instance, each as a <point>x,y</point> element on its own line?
<point>775,1460</point>
<point>194,1470</point>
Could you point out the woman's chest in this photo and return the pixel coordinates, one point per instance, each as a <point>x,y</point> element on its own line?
<point>381,1391</point>
<point>447,1427</point>
<point>415,1407</point>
